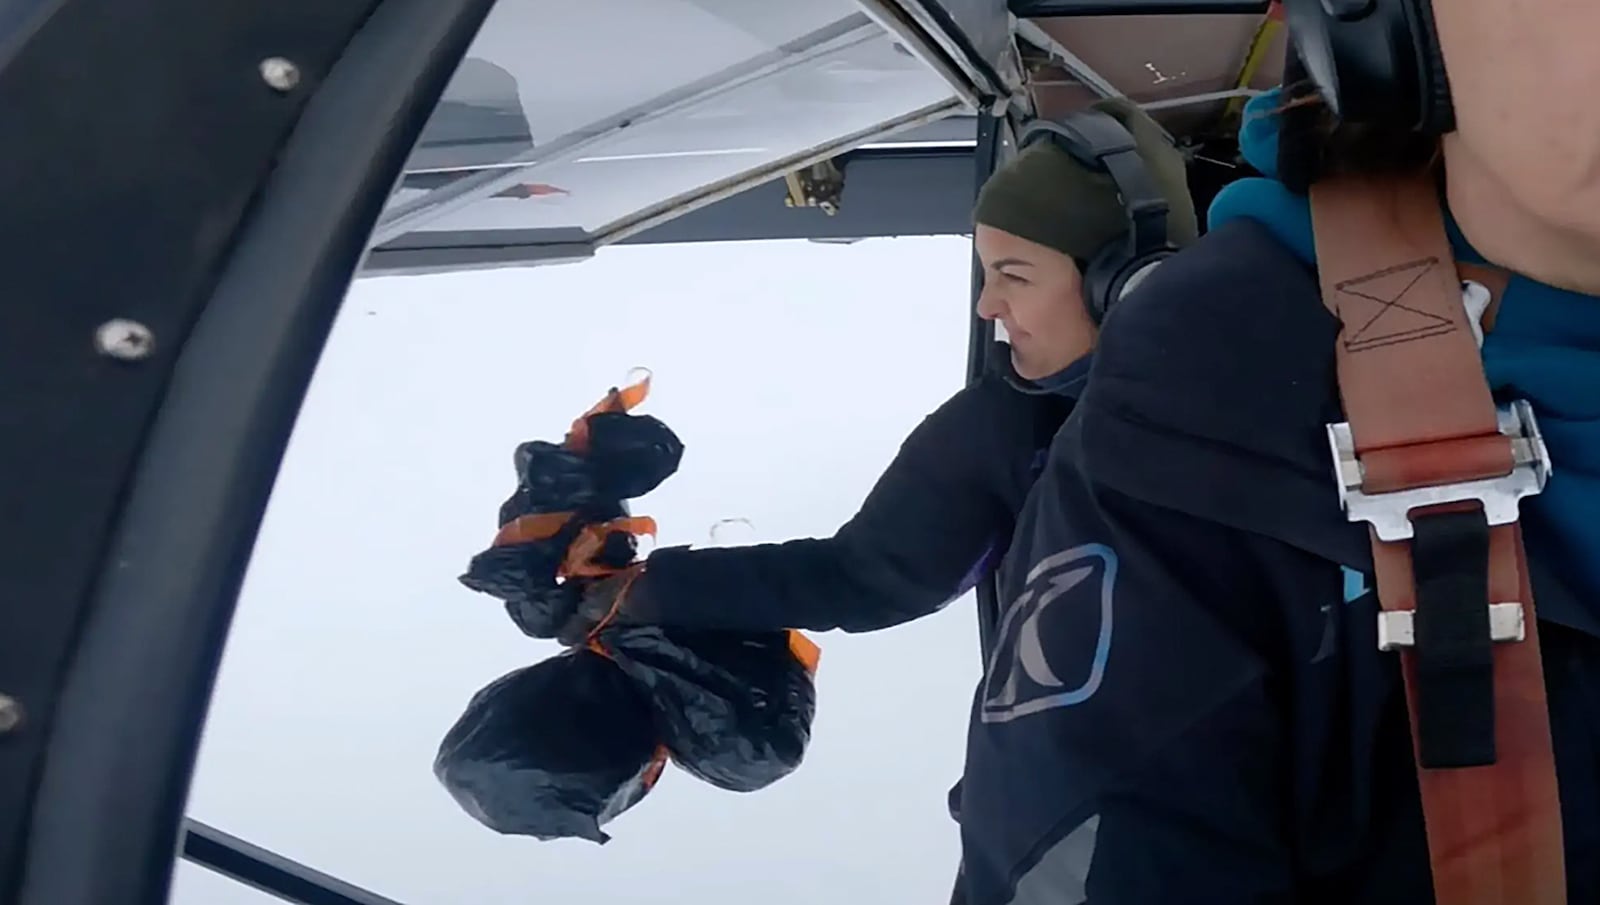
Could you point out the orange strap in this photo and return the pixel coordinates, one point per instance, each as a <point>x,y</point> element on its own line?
<point>590,540</point>
<point>527,529</point>
<point>630,576</point>
<point>1421,415</point>
<point>625,399</point>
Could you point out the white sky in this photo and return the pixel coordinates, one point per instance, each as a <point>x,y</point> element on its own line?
<point>792,371</point>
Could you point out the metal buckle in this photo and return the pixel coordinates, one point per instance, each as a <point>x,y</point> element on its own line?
<point>1390,513</point>
<point>1397,628</point>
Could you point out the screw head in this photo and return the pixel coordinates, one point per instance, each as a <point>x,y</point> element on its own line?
<point>280,74</point>
<point>125,340</point>
<point>10,713</point>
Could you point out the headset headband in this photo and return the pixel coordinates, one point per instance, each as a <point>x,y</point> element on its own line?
<point>1099,142</point>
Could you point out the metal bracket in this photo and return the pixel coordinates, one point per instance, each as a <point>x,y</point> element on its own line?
<point>1390,513</point>
<point>1397,628</point>
<point>1476,298</point>
<point>819,185</point>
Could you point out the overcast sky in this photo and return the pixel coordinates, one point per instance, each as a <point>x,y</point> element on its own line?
<point>792,371</point>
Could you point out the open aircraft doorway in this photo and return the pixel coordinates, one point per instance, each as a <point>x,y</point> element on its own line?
<point>187,207</point>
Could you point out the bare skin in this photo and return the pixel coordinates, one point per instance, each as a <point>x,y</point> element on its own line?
<point>1036,293</point>
<point>1523,167</point>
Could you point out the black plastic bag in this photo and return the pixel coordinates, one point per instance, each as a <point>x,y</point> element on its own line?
<point>525,576</point>
<point>630,455</point>
<point>624,456</point>
<point>550,478</point>
<point>554,751</point>
<point>734,709</point>
<point>560,748</point>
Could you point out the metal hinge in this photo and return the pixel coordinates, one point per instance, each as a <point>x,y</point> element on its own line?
<point>820,185</point>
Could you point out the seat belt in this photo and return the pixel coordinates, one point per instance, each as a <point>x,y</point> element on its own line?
<point>1437,471</point>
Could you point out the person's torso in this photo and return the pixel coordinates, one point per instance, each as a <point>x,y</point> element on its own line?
<point>1213,410</point>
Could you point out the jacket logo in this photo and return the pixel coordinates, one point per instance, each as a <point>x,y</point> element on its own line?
<point>1021,679</point>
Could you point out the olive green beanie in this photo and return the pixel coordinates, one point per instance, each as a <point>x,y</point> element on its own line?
<point>1044,195</point>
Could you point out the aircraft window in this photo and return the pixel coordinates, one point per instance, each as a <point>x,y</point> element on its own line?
<point>191,883</point>
<point>590,116</point>
<point>792,371</point>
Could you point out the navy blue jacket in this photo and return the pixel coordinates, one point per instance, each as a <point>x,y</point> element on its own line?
<point>936,522</point>
<point>1186,703</point>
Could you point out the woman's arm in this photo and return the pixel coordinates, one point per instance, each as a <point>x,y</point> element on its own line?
<point>931,522</point>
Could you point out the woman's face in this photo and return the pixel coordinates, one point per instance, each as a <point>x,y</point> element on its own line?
<point>1036,293</point>
<point>1526,152</point>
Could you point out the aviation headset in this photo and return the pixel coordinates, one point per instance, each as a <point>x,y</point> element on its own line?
<point>1100,143</point>
<point>1375,61</point>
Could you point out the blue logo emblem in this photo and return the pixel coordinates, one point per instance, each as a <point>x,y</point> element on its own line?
<point>1021,679</point>
<point>1355,584</point>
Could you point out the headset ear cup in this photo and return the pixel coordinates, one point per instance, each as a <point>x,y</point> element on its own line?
<point>1438,113</point>
<point>1135,273</point>
<point>1112,275</point>
<point>1099,278</point>
<point>1382,67</point>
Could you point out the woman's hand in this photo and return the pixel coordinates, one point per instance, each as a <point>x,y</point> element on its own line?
<point>604,603</point>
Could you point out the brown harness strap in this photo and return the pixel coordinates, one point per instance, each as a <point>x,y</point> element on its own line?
<point>1424,429</point>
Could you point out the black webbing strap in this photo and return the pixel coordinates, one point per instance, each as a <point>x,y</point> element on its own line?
<point>1454,656</point>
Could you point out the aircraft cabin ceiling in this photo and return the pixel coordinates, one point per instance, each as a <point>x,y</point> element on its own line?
<point>1190,64</point>
<point>571,126</point>
<point>598,118</point>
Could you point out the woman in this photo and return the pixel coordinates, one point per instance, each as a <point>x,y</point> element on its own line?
<point>943,512</point>
<point>1201,713</point>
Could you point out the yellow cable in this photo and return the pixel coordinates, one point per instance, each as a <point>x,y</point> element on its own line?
<point>1266,33</point>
